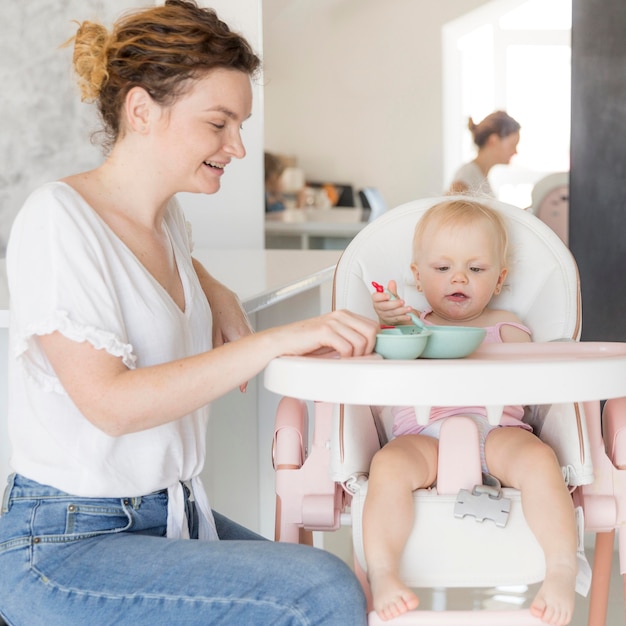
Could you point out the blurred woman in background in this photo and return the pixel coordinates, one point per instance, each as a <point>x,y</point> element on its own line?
<point>496,137</point>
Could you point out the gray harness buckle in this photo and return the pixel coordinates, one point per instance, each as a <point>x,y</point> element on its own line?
<point>483,502</point>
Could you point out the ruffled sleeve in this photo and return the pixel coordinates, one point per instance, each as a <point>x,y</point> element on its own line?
<point>61,278</point>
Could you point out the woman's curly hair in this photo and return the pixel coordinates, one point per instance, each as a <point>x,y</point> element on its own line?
<point>159,49</point>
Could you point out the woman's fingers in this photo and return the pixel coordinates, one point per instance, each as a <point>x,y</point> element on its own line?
<point>341,331</point>
<point>351,334</point>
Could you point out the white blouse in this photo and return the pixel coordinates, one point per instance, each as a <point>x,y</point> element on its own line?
<point>472,176</point>
<point>69,272</point>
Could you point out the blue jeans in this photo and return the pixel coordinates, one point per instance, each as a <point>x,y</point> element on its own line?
<point>66,561</point>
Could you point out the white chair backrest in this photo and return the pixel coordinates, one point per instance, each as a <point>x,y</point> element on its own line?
<point>542,286</point>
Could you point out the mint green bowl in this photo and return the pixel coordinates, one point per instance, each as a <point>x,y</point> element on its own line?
<point>443,342</point>
<point>452,342</point>
<point>403,342</point>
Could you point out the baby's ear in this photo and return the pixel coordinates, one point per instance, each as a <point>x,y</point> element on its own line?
<point>416,276</point>
<point>500,282</point>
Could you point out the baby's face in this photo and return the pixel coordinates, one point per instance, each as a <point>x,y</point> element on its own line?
<point>458,268</point>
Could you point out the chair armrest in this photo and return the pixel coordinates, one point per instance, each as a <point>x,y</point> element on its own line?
<point>614,429</point>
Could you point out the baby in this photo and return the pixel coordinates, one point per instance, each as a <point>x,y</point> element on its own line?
<point>459,263</point>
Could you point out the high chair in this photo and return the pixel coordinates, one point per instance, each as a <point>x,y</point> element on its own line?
<point>458,540</point>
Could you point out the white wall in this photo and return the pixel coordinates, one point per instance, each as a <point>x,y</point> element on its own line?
<point>353,88</point>
<point>45,129</point>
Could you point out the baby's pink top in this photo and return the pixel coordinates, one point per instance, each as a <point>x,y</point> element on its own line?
<point>404,422</point>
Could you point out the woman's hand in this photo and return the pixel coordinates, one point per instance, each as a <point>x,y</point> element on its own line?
<point>390,309</point>
<point>341,331</point>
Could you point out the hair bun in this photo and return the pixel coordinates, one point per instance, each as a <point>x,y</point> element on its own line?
<point>91,44</point>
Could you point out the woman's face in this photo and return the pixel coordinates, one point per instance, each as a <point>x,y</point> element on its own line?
<point>507,147</point>
<point>199,135</point>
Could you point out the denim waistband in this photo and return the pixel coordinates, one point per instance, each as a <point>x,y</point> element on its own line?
<point>19,487</point>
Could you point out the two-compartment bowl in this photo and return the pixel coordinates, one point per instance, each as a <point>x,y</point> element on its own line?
<point>436,342</point>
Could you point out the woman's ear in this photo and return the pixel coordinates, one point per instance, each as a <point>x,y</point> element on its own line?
<point>139,110</point>
<point>493,140</point>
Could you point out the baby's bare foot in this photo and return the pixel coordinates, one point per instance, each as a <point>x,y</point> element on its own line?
<point>390,595</point>
<point>554,602</point>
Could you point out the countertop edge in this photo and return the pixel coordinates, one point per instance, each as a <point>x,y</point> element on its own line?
<point>265,300</point>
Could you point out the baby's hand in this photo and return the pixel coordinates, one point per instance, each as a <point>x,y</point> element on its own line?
<point>390,309</point>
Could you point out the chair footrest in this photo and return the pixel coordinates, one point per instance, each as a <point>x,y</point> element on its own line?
<point>519,617</point>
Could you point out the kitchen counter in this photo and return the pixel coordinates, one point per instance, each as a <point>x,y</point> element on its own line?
<point>263,278</point>
<point>303,225</point>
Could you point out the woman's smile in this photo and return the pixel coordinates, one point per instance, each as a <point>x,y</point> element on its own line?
<point>216,168</point>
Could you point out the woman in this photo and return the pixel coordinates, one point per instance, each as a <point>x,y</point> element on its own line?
<point>496,138</point>
<point>112,366</point>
